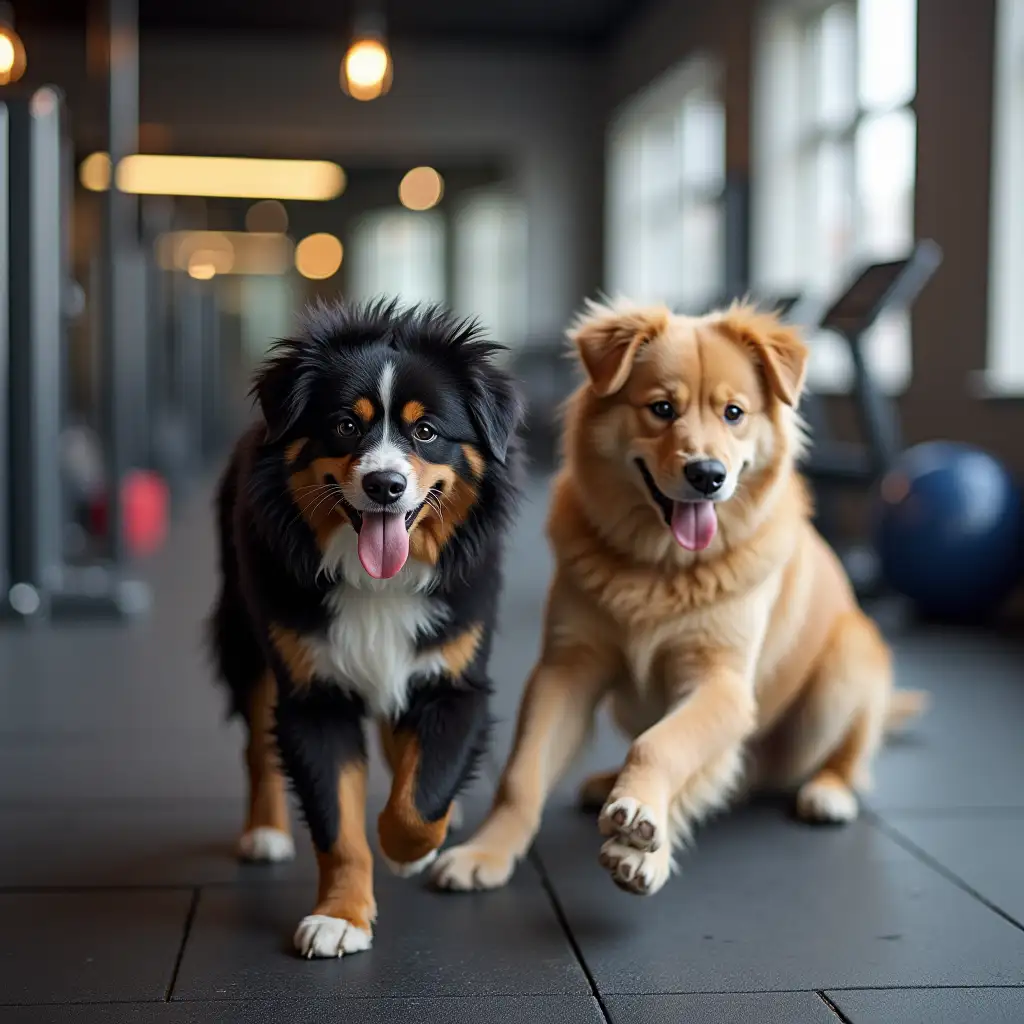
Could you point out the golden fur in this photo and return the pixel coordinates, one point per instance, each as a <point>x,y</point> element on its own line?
<point>749,659</point>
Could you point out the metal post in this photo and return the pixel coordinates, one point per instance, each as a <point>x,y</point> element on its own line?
<point>37,283</point>
<point>119,19</point>
<point>5,494</point>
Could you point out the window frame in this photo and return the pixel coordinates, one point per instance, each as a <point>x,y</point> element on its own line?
<point>788,138</point>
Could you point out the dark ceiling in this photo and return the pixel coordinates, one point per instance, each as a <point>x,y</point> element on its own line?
<point>530,22</point>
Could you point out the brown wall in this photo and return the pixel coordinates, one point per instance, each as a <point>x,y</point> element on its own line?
<point>954,115</point>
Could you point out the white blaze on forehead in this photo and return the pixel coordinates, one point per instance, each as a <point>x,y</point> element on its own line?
<point>385,454</point>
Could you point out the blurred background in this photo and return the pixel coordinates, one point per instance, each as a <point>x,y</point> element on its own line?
<point>508,159</point>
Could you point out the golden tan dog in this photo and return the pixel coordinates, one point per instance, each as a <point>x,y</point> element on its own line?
<point>692,592</point>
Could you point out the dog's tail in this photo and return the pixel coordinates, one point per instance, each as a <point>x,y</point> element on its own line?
<point>903,706</point>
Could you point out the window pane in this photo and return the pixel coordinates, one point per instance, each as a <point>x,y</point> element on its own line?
<point>887,37</point>
<point>490,263</point>
<point>400,253</point>
<point>700,277</point>
<point>829,222</point>
<point>659,160</point>
<point>834,80</point>
<point>703,143</point>
<point>885,148</point>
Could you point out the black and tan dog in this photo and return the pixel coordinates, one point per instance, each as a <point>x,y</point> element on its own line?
<point>361,527</point>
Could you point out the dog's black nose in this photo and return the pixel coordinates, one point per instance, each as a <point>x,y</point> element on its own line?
<point>705,475</point>
<point>384,487</point>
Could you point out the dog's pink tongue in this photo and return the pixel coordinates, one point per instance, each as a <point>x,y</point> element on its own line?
<point>383,544</point>
<point>694,524</point>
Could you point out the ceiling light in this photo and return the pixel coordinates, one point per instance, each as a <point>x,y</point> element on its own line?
<point>318,256</point>
<point>421,188</point>
<point>12,50</point>
<point>231,177</point>
<point>366,70</point>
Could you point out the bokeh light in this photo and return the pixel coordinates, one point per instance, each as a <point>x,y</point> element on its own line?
<point>268,215</point>
<point>421,188</point>
<point>366,69</point>
<point>12,55</point>
<point>318,256</point>
<point>94,172</point>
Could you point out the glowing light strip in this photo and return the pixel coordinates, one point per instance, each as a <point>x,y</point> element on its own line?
<point>219,176</point>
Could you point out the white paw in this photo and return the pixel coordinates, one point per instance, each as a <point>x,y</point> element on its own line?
<point>640,873</point>
<point>322,936</point>
<point>634,823</point>
<point>469,867</point>
<point>265,845</point>
<point>826,802</point>
<point>411,868</point>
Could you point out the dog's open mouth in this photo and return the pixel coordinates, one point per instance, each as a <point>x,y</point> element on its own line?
<point>383,543</point>
<point>693,523</point>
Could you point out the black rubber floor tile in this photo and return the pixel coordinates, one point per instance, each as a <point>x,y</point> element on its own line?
<point>716,1008</point>
<point>133,843</point>
<point>426,944</point>
<point>470,1010</point>
<point>932,1006</point>
<point>966,751</point>
<point>984,850</point>
<point>763,903</point>
<point>90,946</point>
<point>153,843</point>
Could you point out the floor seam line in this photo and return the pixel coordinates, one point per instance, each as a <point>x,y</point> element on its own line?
<point>189,919</point>
<point>926,858</point>
<point>563,922</point>
<point>832,1006</point>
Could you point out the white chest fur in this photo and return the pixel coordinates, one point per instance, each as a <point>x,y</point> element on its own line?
<point>370,646</point>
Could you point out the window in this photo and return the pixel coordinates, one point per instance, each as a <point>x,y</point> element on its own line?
<point>834,162</point>
<point>399,253</point>
<point>490,263</point>
<point>1005,371</point>
<point>666,153</point>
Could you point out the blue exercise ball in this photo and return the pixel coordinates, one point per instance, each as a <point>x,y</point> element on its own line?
<point>950,530</point>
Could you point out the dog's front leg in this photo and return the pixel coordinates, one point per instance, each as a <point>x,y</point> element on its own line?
<point>320,736</point>
<point>433,749</point>
<point>554,719</point>
<point>689,761</point>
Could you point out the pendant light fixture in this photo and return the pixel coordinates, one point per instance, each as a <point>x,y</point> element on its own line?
<point>366,68</point>
<point>12,49</point>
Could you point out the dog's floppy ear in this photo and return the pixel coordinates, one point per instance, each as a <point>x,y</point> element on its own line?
<point>496,410</point>
<point>608,339</point>
<point>778,349</point>
<point>281,391</point>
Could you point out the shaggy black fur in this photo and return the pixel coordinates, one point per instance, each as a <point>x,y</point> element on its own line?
<point>271,574</point>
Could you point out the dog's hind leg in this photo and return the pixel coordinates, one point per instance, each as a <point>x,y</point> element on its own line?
<point>837,727</point>
<point>267,837</point>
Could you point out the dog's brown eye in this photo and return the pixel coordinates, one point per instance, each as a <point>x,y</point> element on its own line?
<point>733,413</point>
<point>423,431</point>
<point>347,427</point>
<point>663,410</point>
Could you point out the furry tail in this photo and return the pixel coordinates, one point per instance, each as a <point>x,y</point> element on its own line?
<point>903,706</point>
